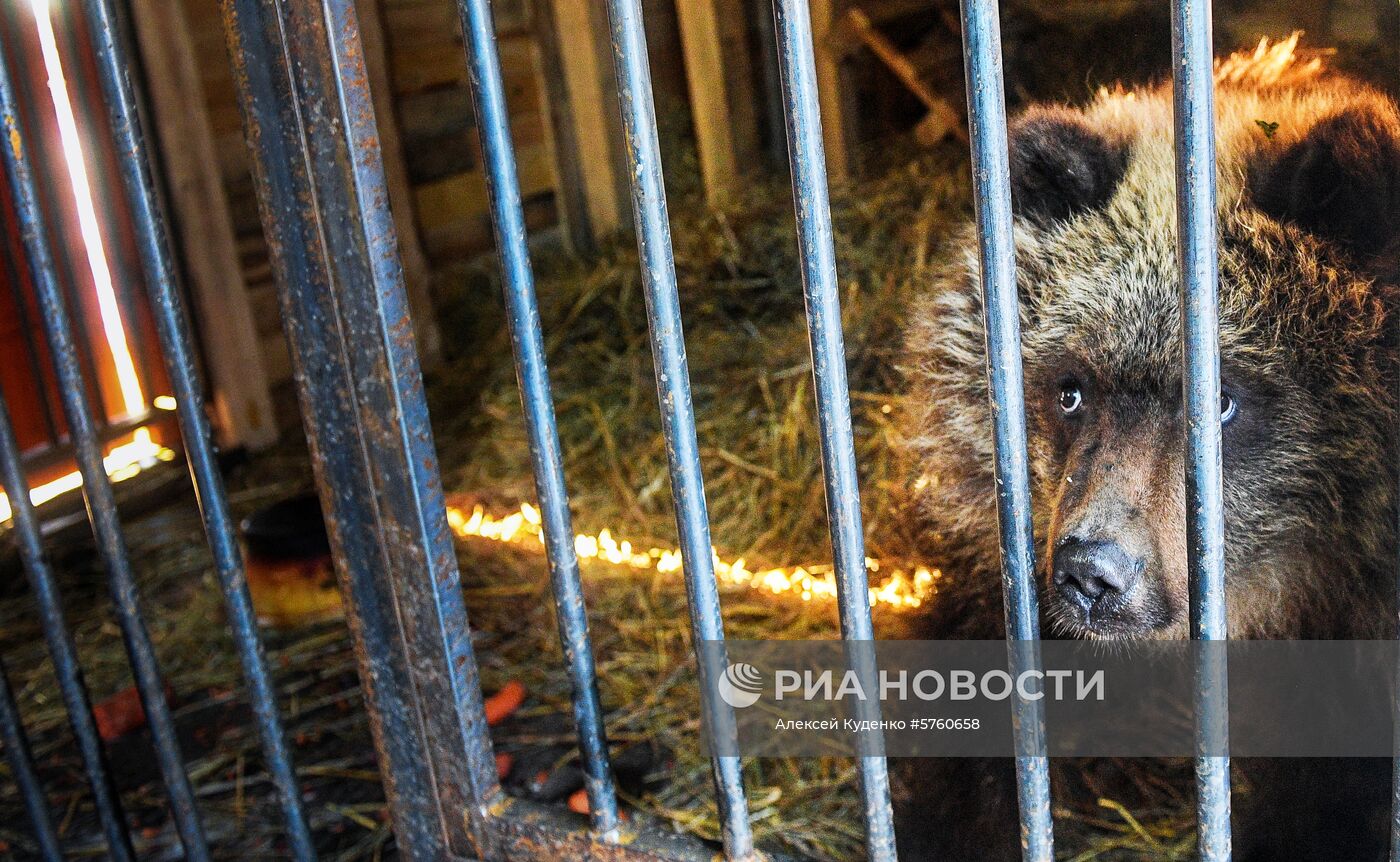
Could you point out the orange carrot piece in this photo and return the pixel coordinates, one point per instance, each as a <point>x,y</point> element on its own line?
<point>504,703</point>
<point>578,801</point>
<point>119,714</point>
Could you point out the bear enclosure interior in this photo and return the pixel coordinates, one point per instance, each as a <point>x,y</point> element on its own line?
<point>889,77</point>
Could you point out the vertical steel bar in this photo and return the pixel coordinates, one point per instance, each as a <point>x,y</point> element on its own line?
<point>60,643</point>
<point>176,346</point>
<point>802,110</point>
<point>1194,107</point>
<point>309,124</point>
<point>991,182</point>
<point>532,374</point>
<point>1395,762</point>
<point>673,389</point>
<point>31,791</point>
<point>97,491</point>
<point>1395,737</point>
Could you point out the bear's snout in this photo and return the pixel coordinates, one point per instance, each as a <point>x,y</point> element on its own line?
<point>1095,575</point>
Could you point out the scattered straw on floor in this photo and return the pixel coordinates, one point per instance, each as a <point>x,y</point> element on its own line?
<point>750,368</point>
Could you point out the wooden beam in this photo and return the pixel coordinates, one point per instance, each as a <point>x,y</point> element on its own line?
<point>838,120</point>
<point>942,119</point>
<point>241,401</point>
<point>722,88</point>
<point>560,133</point>
<point>584,119</point>
<point>416,274</point>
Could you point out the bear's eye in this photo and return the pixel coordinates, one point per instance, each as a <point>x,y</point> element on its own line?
<point>1228,408</point>
<point>1071,398</point>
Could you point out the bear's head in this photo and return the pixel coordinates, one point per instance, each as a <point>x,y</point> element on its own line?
<point>1309,217</point>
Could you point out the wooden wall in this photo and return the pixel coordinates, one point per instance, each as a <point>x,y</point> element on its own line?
<point>564,42</point>
<point>427,77</point>
<point>443,160</point>
<point>207,34</point>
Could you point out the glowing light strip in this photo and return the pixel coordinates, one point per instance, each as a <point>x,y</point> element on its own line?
<point>122,463</point>
<point>901,588</point>
<point>133,401</point>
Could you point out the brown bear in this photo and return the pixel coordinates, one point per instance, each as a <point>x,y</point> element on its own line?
<point>1309,222</point>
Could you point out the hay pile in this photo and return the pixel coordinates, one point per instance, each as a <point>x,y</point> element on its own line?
<point>750,368</point>
<point>751,373</point>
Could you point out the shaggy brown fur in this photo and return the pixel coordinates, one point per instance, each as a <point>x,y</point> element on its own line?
<point>1309,214</point>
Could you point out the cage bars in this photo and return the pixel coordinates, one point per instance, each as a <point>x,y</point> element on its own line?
<point>311,130</point>
<point>97,490</point>
<point>309,124</point>
<point>31,791</point>
<point>1194,116</point>
<point>172,330</point>
<point>991,182</point>
<point>532,376</point>
<point>62,650</point>
<point>807,161</point>
<point>673,392</point>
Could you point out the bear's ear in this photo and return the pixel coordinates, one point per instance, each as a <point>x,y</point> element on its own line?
<point>1341,181</point>
<point>1060,166</point>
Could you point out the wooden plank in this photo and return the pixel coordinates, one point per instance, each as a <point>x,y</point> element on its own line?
<point>838,120</point>
<point>241,399</point>
<point>722,87</point>
<point>942,119</point>
<point>585,139</point>
<point>560,136</point>
<point>470,238</point>
<point>415,262</point>
<point>461,197</point>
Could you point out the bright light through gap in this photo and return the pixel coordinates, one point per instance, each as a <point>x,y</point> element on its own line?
<point>114,331</point>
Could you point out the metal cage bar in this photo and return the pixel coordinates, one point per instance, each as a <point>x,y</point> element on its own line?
<point>31,791</point>
<point>62,650</point>
<point>821,292</point>
<point>97,490</point>
<point>532,375</point>
<point>309,124</point>
<point>991,181</point>
<point>673,392</point>
<point>1194,114</point>
<point>172,329</point>
<point>1395,762</point>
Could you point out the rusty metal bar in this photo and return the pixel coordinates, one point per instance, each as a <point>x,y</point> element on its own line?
<point>177,347</point>
<point>673,393</point>
<point>97,490</point>
<point>991,183</point>
<point>310,127</point>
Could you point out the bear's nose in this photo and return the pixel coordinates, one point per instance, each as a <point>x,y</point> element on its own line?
<point>1088,572</point>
